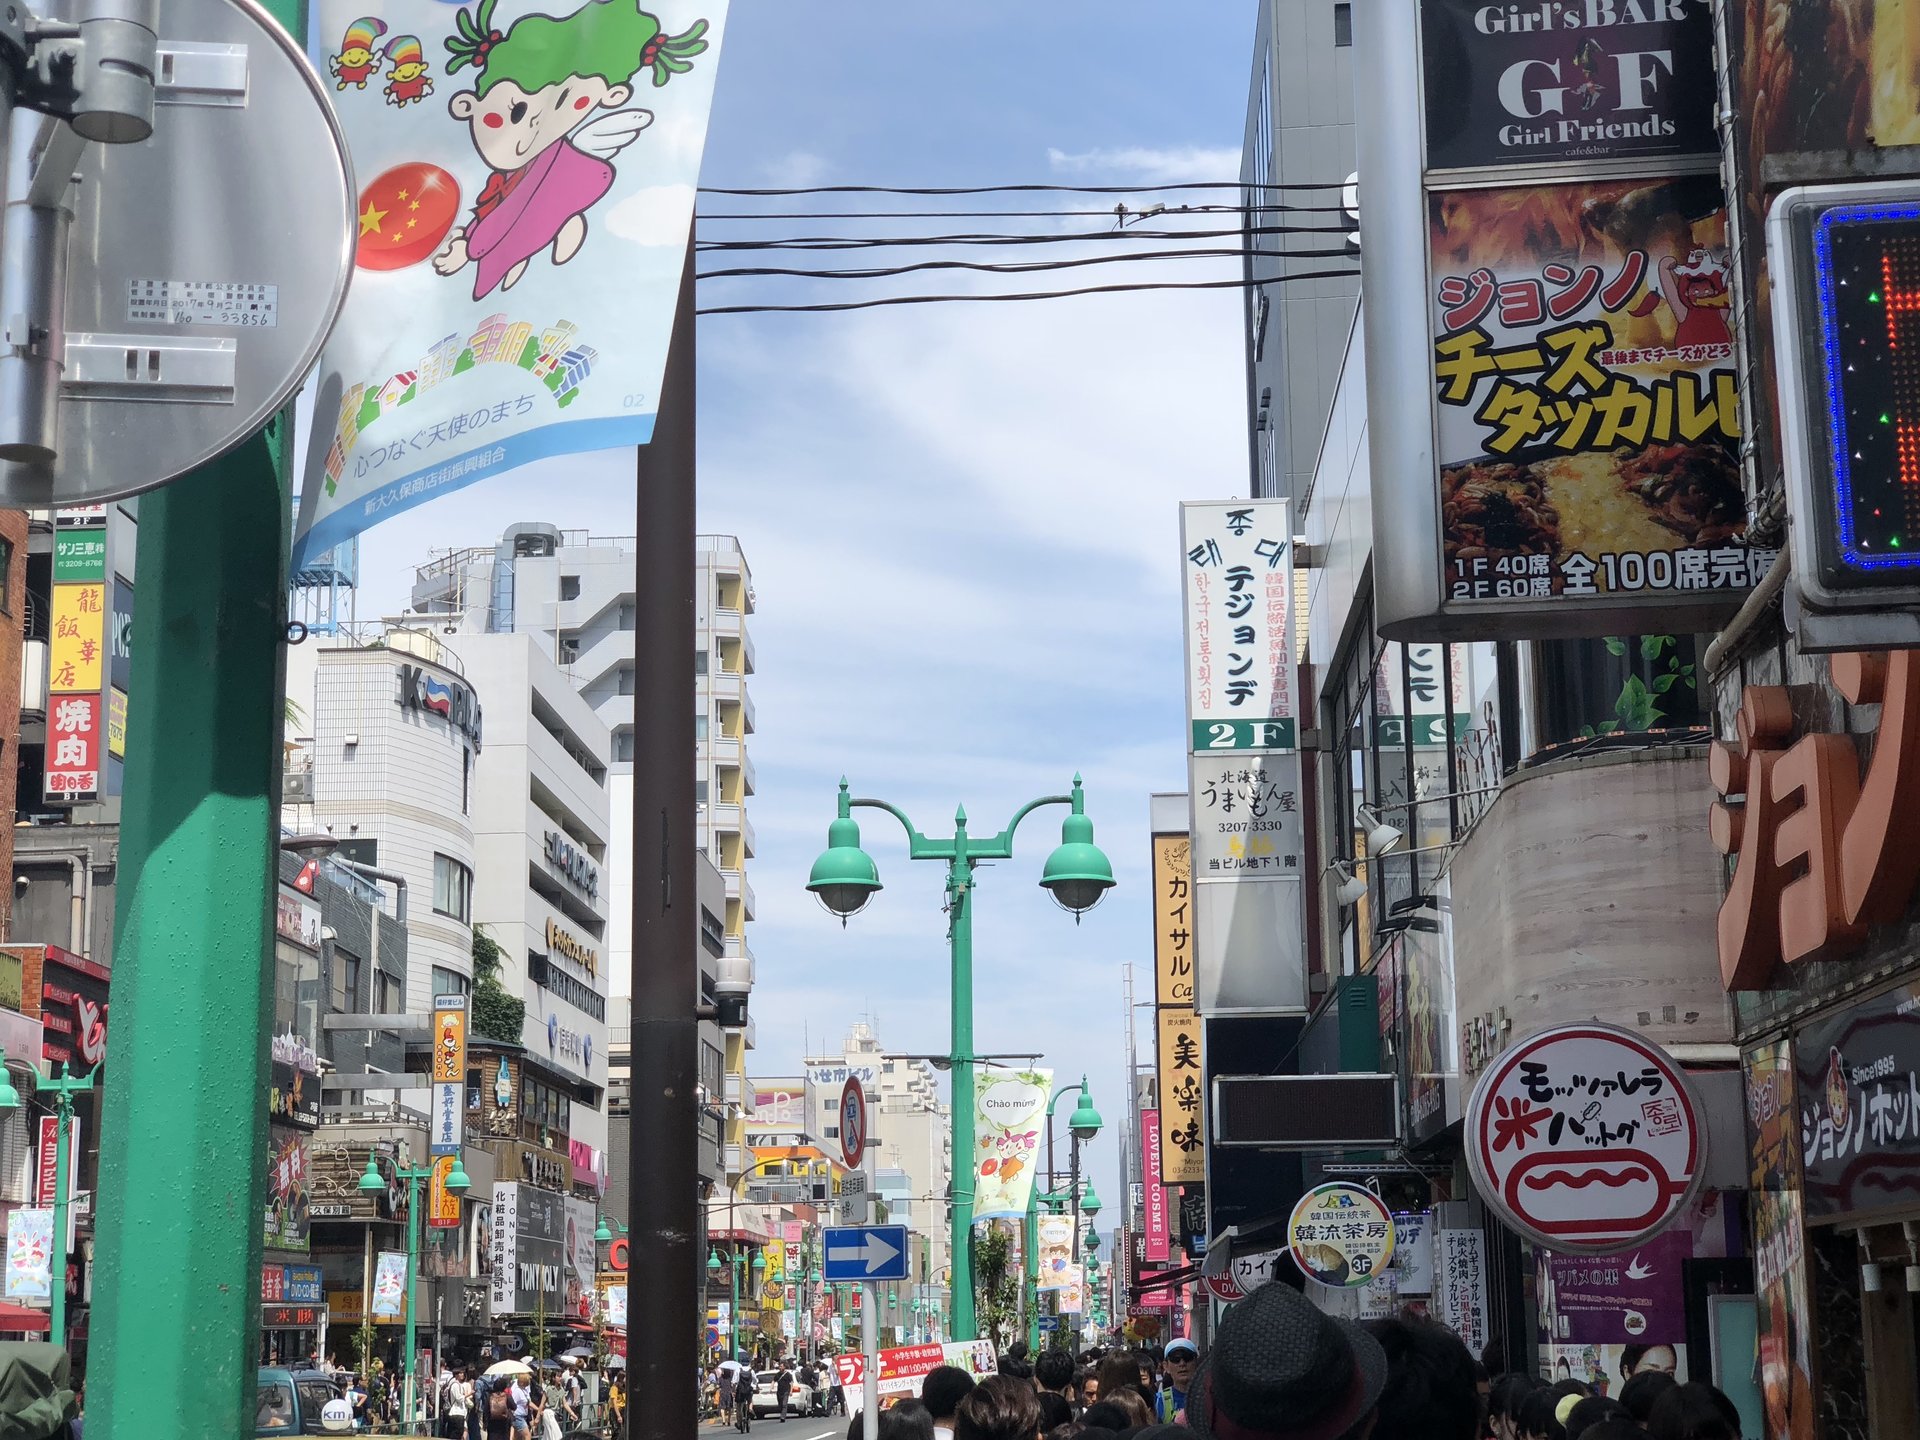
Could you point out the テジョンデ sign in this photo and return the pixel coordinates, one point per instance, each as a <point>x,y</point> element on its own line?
<point>1237,573</point>
<point>1586,1138</point>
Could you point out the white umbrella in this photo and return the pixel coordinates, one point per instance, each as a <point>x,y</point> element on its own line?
<point>508,1367</point>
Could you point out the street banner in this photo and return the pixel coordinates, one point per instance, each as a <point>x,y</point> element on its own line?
<point>1009,1110</point>
<point>1460,1284</point>
<point>617,1305</point>
<point>449,1074</point>
<point>288,1213</point>
<point>1154,1192</point>
<point>1055,1259</point>
<point>527,173</point>
<point>1072,1290</point>
<point>1237,576</point>
<point>1182,1086</point>
<point>582,1262</point>
<point>1173,918</point>
<point>30,1255</point>
<point>390,1284</point>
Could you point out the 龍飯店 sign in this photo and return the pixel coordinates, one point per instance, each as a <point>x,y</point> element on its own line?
<point>1586,1138</point>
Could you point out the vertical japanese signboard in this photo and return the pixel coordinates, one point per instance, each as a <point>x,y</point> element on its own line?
<point>449,1073</point>
<point>1244,770</point>
<point>1780,1280</point>
<point>443,1206</point>
<point>1460,1284</point>
<point>1568,314</point>
<point>1158,1230</point>
<point>76,667</point>
<point>1181,1117</point>
<point>1182,1086</point>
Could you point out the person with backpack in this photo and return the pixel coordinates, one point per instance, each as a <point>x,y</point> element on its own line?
<point>454,1398</point>
<point>743,1388</point>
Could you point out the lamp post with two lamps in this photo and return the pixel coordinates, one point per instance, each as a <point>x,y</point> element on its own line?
<point>714,1262</point>
<point>64,1087</point>
<point>1082,1127</point>
<point>372,1182</point>
<point>1077,874</point>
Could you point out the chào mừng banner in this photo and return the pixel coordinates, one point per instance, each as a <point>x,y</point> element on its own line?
<point>527,171</point>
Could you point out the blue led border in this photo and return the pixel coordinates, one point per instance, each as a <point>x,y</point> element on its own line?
<point>1830,336</point>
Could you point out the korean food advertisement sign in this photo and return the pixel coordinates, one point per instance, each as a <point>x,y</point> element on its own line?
<point>1587,419</point>
<point>1340,1235</point>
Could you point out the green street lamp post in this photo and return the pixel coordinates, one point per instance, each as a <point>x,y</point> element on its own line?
<point>373,1182</point>
<point>1077,874</point>
<point>64,1087</point>
<point>1083,1126</point>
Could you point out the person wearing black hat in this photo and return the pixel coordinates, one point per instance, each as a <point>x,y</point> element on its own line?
<point>1281,1369</point>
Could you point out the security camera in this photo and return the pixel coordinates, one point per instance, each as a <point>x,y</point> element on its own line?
<point>730,989</point>
<point>20,883</point>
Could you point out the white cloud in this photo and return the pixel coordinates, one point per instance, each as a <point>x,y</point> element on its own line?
<point>656,215</point>
<point>795,169</point>
<point>1151,165</point>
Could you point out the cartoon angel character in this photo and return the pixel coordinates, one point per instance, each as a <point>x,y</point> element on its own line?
<point>357,58</point>
<point>1696,291</point>
<point>531,115</point>
<point>407,81</point>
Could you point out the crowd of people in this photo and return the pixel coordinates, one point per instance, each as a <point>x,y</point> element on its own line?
<point>1282,1369</point>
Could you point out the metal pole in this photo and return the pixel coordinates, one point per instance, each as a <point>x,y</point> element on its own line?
<point>1031,1293</point>
<point>63,1111</point>
<point>408,1388</point>
<point>870,1371</point>
<point>1073,1189</point>
<point>960,1236</point>
<point>664,1346</point>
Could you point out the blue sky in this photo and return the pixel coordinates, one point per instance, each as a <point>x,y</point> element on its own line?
<point>961,519</point>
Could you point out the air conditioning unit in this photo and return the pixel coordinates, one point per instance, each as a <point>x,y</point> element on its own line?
<point>296,788</point>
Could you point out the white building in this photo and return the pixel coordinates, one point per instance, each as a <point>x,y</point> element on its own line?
<point>390,734</point>
<point>541,835</point>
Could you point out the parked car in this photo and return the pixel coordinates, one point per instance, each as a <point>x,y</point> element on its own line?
<point>766,1395</point>
<point>291,1402</point>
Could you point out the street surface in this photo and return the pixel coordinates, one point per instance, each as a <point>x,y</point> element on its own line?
<point>796,1428</point>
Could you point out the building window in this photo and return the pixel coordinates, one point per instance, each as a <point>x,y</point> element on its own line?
<point>466,781</point>
<point>344,983</point>
<point>452,889</point>
<point>450,982</point>
<point>700,662</point>
<point>626,680</point>
<point>623,746</point>
<point>570,584</point>
<point>628,614</point>
<point>700,791</point>
<point>1343,25</point>
<point>6,575</point>
<point>699,727</point>
<point>386,994</point>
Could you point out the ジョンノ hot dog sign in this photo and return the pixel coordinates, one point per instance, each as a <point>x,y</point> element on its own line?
<point>1586,1138</point>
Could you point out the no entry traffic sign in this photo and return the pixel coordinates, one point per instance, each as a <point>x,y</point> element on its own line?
<point>853,1123</point>
<point>1586,1138</point>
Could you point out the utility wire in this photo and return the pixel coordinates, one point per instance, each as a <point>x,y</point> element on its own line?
<point>1026,189</point>
<point>1034,295</point>
<point>871,242</point>
<point>1020,267</point>
<point>702,215</point>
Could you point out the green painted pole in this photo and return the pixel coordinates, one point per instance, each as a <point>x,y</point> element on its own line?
<point>1032,1268</point>
<point>63,1126</point>
<point>411,1388</point>
<point>176,1322</point>
<point>733,1305</point>
<point>960,1236</point>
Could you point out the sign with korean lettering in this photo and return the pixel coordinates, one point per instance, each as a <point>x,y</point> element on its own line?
<point>1858,1085</point>
<point>1173,919</point>
<point>1566,81</point>
<point>1340,1235</point>
<point>515,277</point>
<point>1182,1091</point>
<point>1460,1285</point>
<point>1586,1138</point>
<point>1237,578</point>
<point>1587,417</point>
<point>1159,1228</point>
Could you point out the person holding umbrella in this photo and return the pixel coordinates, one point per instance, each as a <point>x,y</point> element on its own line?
<point>502,1407</point>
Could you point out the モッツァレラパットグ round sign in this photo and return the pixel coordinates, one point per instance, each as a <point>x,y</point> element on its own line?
<point>853,1123</point>
<point>1340,1235</point>
<point>1586,1138</point>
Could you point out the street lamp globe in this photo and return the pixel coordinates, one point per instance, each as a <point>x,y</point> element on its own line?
<point>9,1097</point>
<point>713,1262</point>
<point>458,1182</point>
<point>1090,1202</point>
<point>844,878</point>
<point>603,1233</point>
<point>1086,1120</point>
<point>813,1278</point>
<point>759,1263</point>
<point>372,1182</point>
<point>1078,872</point>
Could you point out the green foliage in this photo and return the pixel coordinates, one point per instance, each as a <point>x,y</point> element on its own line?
<point>1637,708</point>
<point>996,1286</point>
<point>496,1014</point>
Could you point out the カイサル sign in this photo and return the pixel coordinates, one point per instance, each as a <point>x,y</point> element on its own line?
<point>1586,1138</point>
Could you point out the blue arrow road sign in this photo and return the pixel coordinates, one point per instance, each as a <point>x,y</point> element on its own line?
<point>866,1252</point>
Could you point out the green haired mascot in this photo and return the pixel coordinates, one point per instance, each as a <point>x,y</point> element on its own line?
<point>533,116</point>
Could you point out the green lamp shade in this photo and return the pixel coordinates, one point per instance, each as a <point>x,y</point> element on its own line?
<point>759,1262</point>
<point>371,1180</point>
<point>457,1182</point>
<point>603,1232</point>
<point>1078,872</point>
<point>813,1278</point>
<point>713,1262</point>
<point>1086,1120</point>
<point>9,1097</point>
<point>844,877</point>
<point>1090,1202</point>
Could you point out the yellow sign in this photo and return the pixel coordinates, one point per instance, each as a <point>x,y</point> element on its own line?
<point>117,724</point>
<point>79,638</point>
<point>450,1044</point>
<point>1183,1086</point>
<point>1173,919</point>
<point>574,948</point>
<point>443,1207</point>
<point>344,1308</point>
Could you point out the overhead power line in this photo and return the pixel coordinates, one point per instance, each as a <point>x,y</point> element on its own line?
<point>1026,189</point>
<point>1032,295</point>
<point>1262,208</point>
<point>874,242</point>
<point>1018,267</point>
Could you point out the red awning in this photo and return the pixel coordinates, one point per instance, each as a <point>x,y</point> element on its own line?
<point>19,1317</point>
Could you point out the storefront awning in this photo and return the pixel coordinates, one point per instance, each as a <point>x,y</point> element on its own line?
<point>19,1317</point>
<point>1166,1280</point>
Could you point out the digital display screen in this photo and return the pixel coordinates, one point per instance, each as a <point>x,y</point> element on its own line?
<point>1867,269</point>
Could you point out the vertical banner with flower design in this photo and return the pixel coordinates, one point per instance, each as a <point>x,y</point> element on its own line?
<point>1009,1120</point>
<point>527,171</point>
